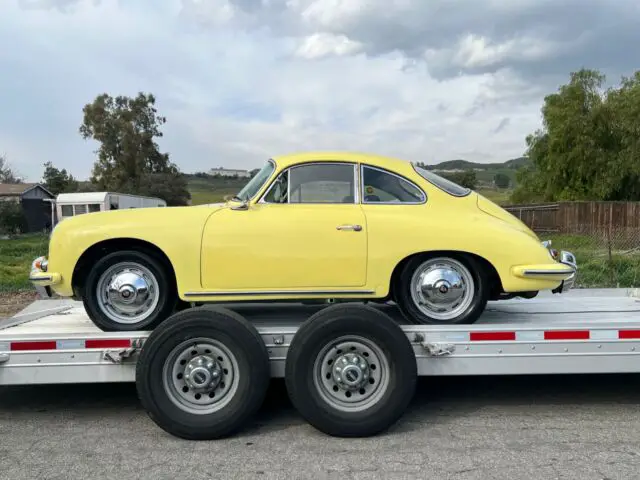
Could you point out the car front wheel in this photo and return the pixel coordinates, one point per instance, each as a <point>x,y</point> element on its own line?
<point>129,290</point>
<point>443,290</point>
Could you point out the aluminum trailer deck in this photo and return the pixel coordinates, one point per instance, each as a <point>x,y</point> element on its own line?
<point>583,331</point>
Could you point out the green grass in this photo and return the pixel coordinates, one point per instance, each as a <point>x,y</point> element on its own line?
<point>595,268</point>
<point>16,255</point>
<point>211,189</point>
<point>501,197</point>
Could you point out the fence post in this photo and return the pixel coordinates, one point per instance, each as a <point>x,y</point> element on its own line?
<point>609,247</point>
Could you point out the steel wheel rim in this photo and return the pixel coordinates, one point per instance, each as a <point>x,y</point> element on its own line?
<point>186,382</point>
<point>362,387</point>
<point>127,292</point>
<point>442,288</point>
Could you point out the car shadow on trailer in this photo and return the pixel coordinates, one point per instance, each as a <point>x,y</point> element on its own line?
<point>437,401</point>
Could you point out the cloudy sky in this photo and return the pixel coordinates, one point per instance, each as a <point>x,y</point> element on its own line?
<point>240,80</point>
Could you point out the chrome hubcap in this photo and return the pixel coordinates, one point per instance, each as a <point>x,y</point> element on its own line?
<point>200,376</point>
<point>127,292</point>
<point>442,288</point>
<point>351,373</point>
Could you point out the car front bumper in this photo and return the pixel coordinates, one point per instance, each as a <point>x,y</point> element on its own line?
<point>42,279</point>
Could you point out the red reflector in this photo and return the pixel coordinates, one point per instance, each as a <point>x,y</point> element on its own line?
<point>113,343</point>
<point>567,335</point>
<point>622,334</point>
<point>491,336</point>
<point>19,346</point>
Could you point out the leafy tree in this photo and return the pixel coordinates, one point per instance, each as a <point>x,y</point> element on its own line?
<point>58,181</point>
<point>128,157</point>
<point>501,180</point>
<point>12,219</point>
<point>589,144</point>
<point>466,178</point>
<point>7,174</point>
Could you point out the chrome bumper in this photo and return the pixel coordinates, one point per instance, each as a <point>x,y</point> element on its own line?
<point>567,258</point>
<point>40,279</point>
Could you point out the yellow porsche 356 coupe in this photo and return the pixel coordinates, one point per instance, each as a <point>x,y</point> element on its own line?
<point>311,226</point>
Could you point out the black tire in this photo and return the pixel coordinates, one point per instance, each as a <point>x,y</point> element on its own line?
<point>324,328</point>
<point>167,295</point>
<point>251,379</point>
<point>469,315</point>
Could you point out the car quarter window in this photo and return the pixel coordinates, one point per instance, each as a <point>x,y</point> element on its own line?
<point>380,186</point>
<point>314,183</point>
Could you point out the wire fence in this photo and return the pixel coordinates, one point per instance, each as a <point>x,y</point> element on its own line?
<point>608,256</point>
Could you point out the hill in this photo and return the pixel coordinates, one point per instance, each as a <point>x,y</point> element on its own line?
<point>206,188</point>
<point>484,171</point>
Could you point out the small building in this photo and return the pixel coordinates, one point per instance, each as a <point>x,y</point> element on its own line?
<point>36,203</point>
<point>228,172</point>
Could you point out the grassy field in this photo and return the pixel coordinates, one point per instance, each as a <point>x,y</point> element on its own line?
<point>501,197</point>
<point>595,267</point>
<point>212,190</point>
<point>16,255</point>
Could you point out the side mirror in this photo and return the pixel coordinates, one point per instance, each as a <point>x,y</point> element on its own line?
<point>244,205</point>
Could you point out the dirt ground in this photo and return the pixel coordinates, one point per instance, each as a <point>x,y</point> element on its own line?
<point>12,302</point>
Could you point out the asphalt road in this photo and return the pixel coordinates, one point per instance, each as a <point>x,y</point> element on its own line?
<point>460,428</point>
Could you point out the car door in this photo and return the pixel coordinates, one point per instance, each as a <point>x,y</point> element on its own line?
<point>307,232</point>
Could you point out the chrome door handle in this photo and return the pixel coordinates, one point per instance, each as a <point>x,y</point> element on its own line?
<point>355,228</point>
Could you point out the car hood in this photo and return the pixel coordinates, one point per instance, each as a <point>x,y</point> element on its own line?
<point>490,208</point>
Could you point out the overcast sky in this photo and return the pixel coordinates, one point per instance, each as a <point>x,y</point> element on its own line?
<point>241,80</point>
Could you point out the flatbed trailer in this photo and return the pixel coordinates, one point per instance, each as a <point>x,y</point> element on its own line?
<point>350,369</point>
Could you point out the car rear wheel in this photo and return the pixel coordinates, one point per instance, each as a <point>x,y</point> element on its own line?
<point>128,291</point>
<point>442,289</point>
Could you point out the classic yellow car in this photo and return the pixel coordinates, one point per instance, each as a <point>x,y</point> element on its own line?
<point>310,226</point>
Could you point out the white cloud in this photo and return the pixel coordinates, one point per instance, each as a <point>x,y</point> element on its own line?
<point>240,80</point>
<point>321,45</point>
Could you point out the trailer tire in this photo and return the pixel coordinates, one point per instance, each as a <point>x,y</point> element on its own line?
<point>204,400</point>
<point>379,381</point>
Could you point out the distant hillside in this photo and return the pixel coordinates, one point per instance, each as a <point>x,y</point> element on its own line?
<point>484,171</point>
<point>206,188</point>
<point>514,164</point>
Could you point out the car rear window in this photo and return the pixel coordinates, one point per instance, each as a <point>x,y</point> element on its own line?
<point>442,183</point>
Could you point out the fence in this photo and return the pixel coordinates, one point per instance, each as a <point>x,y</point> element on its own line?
<point>605,236</point>
<point>574,217</point>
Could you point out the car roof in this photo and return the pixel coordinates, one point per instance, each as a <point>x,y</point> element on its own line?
<point>381,161</point>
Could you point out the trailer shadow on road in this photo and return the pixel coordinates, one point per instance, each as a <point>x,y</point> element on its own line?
<point>438,400</point>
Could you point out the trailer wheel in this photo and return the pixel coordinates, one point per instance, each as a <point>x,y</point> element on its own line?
<point>350,371</point>
<point>203,373</point>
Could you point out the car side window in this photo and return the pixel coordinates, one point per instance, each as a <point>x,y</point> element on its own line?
<point>279,191</point>
<point>379,186</point>
<point>322,183</point>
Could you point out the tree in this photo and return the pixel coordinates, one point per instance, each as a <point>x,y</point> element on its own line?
<point>128,156</point>
<point>501,180</point>
<point>7,174</point>
<point>466,178</point>
<point>588,146</point>
<point>58,181</point>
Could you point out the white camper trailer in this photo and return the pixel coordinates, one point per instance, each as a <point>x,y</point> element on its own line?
<point>71,204</point>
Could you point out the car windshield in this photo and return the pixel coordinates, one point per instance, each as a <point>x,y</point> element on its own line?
<point>448,186</point>
<point>252,187</point>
